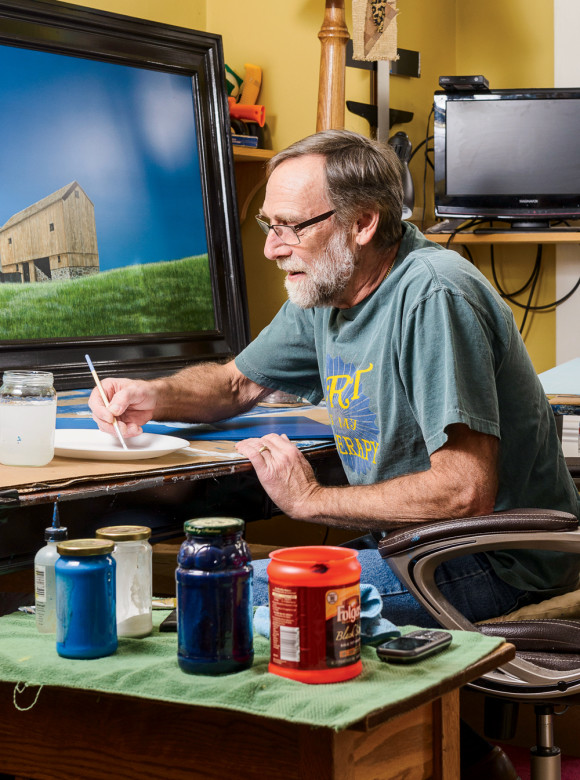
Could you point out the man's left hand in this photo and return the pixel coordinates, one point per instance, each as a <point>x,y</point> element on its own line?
<point>283,471</point>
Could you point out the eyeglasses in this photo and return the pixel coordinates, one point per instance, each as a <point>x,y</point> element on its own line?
<point>288,234</point>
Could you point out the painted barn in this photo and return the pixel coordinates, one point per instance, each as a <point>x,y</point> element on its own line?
<point>55,238</point>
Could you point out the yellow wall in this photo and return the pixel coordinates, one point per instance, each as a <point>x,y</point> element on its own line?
<point>191,13</point>
<point>510,43</point>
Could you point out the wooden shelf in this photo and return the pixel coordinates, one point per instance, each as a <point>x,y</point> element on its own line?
<point>249,154</point>
<point>507,237</point>
<point>250,165</point>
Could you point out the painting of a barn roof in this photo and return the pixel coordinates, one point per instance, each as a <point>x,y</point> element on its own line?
<point>54,238</point>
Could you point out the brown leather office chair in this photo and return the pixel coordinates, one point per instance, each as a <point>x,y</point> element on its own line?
<point>546,669</point>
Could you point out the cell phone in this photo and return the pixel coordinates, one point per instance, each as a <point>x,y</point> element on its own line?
<point>170,622</point>
<point>414,646</point>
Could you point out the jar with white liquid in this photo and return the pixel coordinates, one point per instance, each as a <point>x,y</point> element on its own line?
<point>134,558</point>
<point>27,418</point>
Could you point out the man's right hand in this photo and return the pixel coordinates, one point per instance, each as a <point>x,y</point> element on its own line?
<point>131,402</point>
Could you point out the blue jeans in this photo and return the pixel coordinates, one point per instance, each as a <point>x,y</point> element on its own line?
<point>469,583</point>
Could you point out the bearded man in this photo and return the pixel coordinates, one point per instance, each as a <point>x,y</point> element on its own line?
<point>436,408</point>
<point>435,405</point>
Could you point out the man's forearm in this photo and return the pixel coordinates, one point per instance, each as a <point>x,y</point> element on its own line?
<point>461,482</point>
<point>392,503</point>
<point>204,393</point>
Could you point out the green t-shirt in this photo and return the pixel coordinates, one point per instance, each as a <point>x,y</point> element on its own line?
<point>433,345</point>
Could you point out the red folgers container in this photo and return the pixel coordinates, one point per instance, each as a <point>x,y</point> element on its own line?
<point>315,614</point>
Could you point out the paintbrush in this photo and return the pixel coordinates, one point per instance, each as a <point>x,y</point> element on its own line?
<point>105,400</point>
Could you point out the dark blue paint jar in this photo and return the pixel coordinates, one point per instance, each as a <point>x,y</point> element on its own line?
<point>86,620</point>
<point>214,597</point>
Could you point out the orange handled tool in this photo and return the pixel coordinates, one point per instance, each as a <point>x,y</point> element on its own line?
<point>251,113</point>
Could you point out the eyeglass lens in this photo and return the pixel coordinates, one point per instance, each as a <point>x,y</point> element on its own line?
<point>285,233</point>
<point>288,234</point>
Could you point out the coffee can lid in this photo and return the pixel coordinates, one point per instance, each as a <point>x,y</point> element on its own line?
<point>124,533</point>
<point>213,526</point>
<point>76,548</point>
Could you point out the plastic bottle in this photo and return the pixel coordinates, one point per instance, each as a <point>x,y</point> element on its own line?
<point>214,598</point>
<point>134,591</point>
<point>315,614</point>
<point>45,578</point>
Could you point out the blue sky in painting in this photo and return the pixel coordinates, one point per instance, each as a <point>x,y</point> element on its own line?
<point>126,135</point>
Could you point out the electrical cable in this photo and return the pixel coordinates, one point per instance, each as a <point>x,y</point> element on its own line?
<point>416,149</point>
<point>469,255</point>
<point>542,307</point>
<point>536,275</point>
<point>460,228</point>
<point>560,300</point>
<point>504,293</point>
<point>530,282</point>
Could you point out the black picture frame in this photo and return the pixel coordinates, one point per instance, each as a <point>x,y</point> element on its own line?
<point>49,26</point>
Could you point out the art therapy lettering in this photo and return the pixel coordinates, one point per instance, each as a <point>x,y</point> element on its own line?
<point>338,387</point>
<point>353,421</point>
<point>358,448</point>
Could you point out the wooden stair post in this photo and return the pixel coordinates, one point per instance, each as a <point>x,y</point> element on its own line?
<point>333,37</point>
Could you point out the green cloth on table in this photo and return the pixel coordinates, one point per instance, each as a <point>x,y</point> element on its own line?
<point>148,668</point>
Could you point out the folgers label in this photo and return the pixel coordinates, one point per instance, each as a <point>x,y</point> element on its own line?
<point>326,620</point>
<point>315,614</point>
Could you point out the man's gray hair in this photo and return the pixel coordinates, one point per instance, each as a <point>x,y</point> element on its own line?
<point>361,175</point>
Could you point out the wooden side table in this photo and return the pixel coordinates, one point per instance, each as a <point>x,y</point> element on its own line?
<point>70,734</point>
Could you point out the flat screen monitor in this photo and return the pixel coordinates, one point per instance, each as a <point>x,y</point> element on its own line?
<point>508,155</point>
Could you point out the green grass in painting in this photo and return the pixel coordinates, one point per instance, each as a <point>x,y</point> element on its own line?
<point>165,297</point>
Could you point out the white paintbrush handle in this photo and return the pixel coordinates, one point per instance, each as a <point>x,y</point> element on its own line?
<point>105,400</point>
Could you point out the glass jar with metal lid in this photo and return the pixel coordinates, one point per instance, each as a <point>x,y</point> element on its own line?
<point>86,624</point>
<point>27,418</point>
<point>134,557</point>
<point>214,597</point>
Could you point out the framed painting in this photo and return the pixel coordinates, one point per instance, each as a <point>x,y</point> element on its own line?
<point>119,230</point>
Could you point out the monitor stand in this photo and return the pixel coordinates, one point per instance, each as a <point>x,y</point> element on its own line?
<point>529,226</point>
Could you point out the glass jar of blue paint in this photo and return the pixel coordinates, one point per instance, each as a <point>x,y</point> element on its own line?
<point>86,620</point>
<point>214,598</point>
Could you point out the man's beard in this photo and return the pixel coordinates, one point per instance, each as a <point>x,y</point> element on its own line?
<point>325,278</point>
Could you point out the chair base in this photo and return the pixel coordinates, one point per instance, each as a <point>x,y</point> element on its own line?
<point>545,759</point>
<point>545,765</point>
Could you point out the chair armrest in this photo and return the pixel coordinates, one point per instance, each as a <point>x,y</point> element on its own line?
<point>539,636</point>
<point>414,552</point>
<point>515,521</point>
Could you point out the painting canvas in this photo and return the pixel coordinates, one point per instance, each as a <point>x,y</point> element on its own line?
<point>101,209</point>
<point>118,221</point>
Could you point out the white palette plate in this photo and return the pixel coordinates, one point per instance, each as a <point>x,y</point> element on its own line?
<point>96,445</point>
